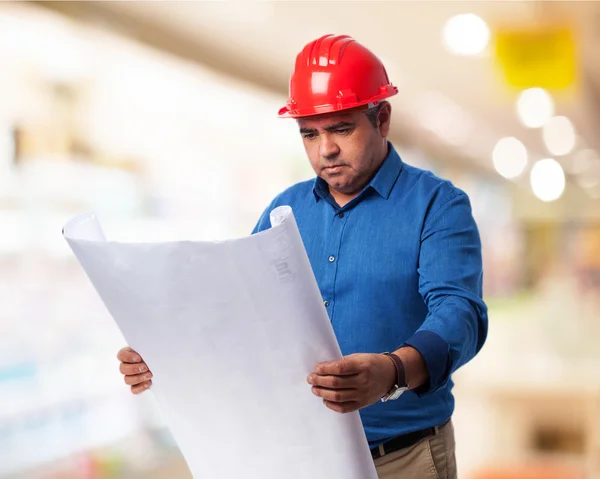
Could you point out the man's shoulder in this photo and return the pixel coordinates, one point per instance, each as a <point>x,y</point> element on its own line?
<point>296,196</point>
<point>296,193</point>
<point>432,185</point>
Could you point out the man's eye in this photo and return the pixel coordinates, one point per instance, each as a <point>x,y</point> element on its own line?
<point>342,131</point>
<point>309,136</point>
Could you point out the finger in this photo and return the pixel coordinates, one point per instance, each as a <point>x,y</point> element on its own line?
<point>342,367</point>
<point>335,382</point>
<point>336,395</point>
<point>128,355</point>
<point>342,408</point>
<point>140,388</point>
<point>131,369</point>
<point>137,378</point>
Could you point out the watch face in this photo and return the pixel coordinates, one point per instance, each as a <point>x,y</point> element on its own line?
<point>391,396</point>
<point>397,393</point>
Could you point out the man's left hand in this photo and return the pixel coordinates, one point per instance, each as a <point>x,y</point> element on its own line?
<point>354,382</point>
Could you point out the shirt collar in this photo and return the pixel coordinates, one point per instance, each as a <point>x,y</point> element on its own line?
<point>382,182</point>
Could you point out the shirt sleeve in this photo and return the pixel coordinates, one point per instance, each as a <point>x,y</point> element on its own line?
<point>450,282</point>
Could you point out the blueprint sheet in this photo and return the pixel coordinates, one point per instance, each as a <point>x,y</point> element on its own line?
<point>230,330</point>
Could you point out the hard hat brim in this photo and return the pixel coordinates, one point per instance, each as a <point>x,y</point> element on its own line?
<point>286,112</point>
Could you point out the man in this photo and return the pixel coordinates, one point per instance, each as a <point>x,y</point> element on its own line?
<point>397,257</point>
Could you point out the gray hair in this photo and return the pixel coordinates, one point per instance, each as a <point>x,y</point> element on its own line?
<point>373,113</point>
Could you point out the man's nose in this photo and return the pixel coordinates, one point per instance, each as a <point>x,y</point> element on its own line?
<point>328,148</point>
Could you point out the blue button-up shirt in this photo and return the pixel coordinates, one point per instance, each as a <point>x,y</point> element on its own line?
<point>398,265</point>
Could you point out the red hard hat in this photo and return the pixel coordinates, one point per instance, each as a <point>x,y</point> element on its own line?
<point>335,73</point>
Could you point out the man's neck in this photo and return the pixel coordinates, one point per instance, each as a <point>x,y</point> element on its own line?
<point>342,199</point>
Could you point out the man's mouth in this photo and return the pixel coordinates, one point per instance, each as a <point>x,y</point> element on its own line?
<point>333,168</point>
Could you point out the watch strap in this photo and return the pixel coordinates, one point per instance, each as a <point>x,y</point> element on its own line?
<point>400,370</point>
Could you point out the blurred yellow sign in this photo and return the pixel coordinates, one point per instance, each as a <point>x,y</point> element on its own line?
<point>541,56</point>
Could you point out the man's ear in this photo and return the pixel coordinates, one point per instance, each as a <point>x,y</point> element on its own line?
<point>384,118</point>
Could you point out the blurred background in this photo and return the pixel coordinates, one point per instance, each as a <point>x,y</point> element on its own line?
<point>161,117</point>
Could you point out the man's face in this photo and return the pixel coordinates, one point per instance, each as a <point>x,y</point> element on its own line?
<point>345,149</point>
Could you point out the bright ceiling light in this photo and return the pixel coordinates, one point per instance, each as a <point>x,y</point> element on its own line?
<point>559,135</point>
<point>509,157</point>
<point>535,107</point>
<point>547,180</point>
<point>465,34</point>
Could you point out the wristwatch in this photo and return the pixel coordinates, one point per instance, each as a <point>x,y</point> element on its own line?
<point>400,385</point>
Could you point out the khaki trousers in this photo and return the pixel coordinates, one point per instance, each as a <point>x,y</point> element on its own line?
<point>431,458</point>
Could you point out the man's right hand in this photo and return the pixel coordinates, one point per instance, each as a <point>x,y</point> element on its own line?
<point>136,372</point>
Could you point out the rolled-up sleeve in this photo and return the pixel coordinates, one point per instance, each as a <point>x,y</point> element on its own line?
<point>450,282</point>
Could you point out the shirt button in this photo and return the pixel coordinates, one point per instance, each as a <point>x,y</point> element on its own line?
<point>341,215</point>
<point>331,259</point>
<point>326,303</point>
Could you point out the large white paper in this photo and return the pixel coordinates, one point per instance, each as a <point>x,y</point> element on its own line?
<point>230,331</point>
